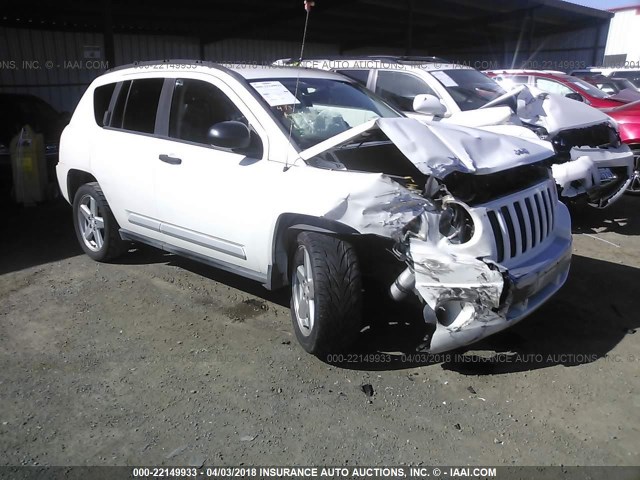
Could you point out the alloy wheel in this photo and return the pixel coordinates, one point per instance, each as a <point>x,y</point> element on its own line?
<point>304,295</point>
<point>91,223</point>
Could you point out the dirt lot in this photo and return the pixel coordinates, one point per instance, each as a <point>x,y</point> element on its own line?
<point>158,360</point>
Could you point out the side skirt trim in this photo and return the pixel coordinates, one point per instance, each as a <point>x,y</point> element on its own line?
<point>244,272</point>
<point>207,241</point>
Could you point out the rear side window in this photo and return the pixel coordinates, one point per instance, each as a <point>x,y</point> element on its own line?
<point>360,76</point>
<point>137,104</point>
<point>142,105</point>
<point>101,99</point>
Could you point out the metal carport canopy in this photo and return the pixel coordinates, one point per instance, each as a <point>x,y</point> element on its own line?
<point>439,28</point>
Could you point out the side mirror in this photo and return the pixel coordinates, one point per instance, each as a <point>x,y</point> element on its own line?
<point>575,96</point>
<point>230,134</point>
<point>429,104</point>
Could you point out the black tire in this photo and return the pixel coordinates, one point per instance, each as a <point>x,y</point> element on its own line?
<point>634,187</point>
<point>337,294</point>
<point>111,245</point>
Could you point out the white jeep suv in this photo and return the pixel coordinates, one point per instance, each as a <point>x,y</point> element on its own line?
<point>592,164</point>
<point>304,178</point>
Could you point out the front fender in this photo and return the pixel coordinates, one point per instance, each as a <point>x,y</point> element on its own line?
<point>287,228</point>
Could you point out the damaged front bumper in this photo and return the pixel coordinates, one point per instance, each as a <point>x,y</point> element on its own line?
<point>600,175</point>
<point>479,266</point>
<point>467,299</point>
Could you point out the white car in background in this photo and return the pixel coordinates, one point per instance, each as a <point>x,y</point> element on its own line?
<point>592,164</point>
<point>304,178</point>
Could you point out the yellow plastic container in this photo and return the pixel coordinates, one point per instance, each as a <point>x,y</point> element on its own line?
<point>29,166</point>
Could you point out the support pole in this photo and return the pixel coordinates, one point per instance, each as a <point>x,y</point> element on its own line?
<point>408,50</point>
<point>109,48</point>
<point>532,26</point>
<point>596,45</point>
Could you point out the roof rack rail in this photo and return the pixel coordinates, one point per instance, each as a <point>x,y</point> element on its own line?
<point>149,63</point>
<point>388,58</point>
<point>414,58</point>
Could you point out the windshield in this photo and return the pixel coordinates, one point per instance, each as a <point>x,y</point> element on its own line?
<point>632,76</point>
<point>613,85</point>
<point>587,87</point>
<point>321,109</point>
<point>622,83</point>
<point>470,89</point>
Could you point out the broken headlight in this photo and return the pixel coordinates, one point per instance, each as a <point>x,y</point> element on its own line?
<point>456,223</point>
<point>561,145</point>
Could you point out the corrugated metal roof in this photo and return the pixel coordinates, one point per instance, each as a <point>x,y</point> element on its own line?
<point>493,33</point>
<point>349,23</point>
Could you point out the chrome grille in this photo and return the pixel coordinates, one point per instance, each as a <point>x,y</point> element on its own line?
<point>521,225</point>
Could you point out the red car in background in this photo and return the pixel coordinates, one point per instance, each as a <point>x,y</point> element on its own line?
<point>623,107</point>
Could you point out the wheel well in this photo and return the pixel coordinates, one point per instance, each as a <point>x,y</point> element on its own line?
<point>75,179</point>
<point>288,226</point>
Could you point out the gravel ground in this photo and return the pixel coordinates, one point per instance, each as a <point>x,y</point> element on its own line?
<point>157,360</point>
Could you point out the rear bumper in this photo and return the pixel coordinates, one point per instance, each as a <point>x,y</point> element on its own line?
<point>62,171</point>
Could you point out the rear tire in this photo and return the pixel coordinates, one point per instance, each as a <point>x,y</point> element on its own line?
<point>95,225</point>
<point>326,294</point>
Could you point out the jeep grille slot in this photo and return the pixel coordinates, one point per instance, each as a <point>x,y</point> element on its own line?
<point>520,225</point>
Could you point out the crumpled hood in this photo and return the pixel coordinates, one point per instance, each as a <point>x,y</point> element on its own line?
<point>437,149</point>
<point>555,112</point>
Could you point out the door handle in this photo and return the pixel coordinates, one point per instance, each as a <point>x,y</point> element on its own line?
<point>170,160</point>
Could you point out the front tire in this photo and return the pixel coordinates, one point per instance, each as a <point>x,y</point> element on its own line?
<point>326,294</point>
<point>634,186</point>
<point>95,225</point>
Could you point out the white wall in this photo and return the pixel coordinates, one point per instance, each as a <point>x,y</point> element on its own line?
<point>624,36</point>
